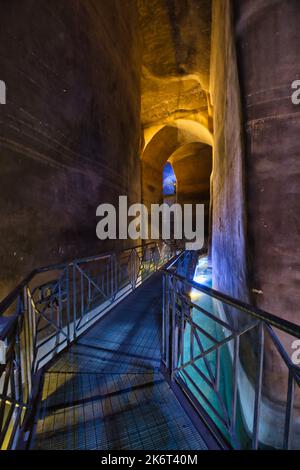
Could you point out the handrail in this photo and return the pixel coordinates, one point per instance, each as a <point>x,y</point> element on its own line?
<point>278,322</point>
<point>227,359</point>
<point>45,318</point>
<point>12,295</point>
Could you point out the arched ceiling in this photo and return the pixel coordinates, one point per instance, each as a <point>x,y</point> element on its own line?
<point>175,105</point>
<point>172,137</point>
<point>188,150</point>
<point>193,162</point>
<point>176,59</point>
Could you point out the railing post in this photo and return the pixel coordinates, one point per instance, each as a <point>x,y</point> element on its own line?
<point>68,303</point>
<point>26,350</point>
<point>165,309</point>
<point>112,286</point>
<point>258,386</point>
<point>74,301</point>
<point>19,385</point>
<point>174,333</point>
<point>235,387</point>
<point>133,268</point>
<point>289,412</point>
<point>115,263</point>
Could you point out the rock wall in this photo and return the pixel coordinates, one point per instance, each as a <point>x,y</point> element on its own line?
<point>255,183</point>
<point>70,131</point>
<point>228,192</point>
<point>268,37</point>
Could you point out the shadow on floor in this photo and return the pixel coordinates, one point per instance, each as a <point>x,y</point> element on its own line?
<point>106,391</point>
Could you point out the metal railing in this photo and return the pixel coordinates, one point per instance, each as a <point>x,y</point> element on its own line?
<point>49,310</point>
<point>233,362</point>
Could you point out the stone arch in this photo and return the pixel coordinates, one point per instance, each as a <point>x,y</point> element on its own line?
<point>165,143</point>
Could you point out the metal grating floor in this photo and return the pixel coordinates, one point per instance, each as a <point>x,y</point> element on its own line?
<point>106,391</point>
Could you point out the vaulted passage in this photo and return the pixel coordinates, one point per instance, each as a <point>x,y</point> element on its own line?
<point>141,342</point>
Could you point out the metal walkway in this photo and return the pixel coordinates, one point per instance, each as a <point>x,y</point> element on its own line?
<point>102,387</point>
<point>106,391</point>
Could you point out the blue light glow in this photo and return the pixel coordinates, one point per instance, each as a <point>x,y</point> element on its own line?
<point>202,275</point>
<point>169,180</point>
